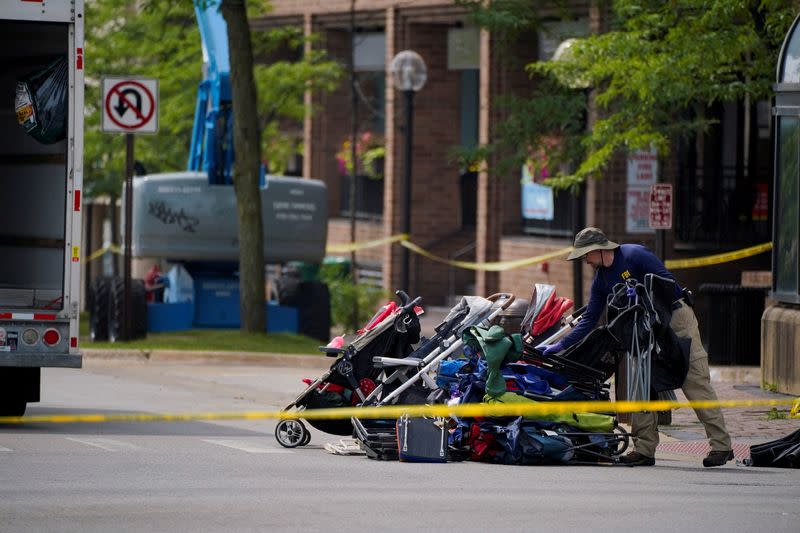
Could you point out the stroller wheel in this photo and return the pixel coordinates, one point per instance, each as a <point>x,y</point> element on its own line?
<point>291,433</point>
<point>623,439</point>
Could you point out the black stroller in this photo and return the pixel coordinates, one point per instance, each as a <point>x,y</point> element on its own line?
<point>352,377</point>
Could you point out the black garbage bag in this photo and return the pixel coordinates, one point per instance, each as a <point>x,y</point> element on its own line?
<point>782,453</point>
<point>42,103</point>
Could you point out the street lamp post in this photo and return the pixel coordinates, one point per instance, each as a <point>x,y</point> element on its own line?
<point>409,74</point>
<point>565,52</point>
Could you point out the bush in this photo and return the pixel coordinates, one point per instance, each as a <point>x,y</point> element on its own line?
<point>346,296</point>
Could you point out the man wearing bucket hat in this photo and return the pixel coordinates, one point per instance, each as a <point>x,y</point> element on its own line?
<point>613,264</point>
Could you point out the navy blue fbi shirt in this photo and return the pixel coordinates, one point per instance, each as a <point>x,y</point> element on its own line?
<point>630,261</point>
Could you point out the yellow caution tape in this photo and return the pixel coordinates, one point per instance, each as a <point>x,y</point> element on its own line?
<point>499,266</point>
<point>402,238</point>
<point>675,264</point>
<point>395,411</point>
<point>355,246</point>
<point>491,267</point>
<point>113,248</point>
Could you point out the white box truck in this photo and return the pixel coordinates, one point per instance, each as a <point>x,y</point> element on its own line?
<point>40,193</point>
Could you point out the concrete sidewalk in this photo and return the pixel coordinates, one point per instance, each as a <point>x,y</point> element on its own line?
<point>746,425</point>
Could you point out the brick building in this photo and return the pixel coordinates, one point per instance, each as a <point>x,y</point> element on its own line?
<point>721,179</point>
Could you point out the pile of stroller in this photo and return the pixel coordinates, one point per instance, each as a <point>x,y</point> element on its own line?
<point>473,359</point>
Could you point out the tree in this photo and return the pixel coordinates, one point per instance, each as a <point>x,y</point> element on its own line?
<point>657,69</point>
<point>247,143</point>
<point>159,38</point>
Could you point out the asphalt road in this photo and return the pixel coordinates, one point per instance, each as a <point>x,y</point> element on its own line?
<point>233,476</point>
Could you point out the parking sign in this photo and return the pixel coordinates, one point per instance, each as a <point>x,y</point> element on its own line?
<point>661,206</point>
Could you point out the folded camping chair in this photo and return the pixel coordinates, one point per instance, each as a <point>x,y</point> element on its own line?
<point>648,341</point>
<point>545,313</point>
<point>410,380</point>
<point>586,365</point>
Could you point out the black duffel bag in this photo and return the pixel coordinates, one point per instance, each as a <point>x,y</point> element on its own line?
<point>781,453</point>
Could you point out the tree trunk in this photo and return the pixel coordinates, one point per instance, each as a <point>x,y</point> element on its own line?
<point>247,145</point>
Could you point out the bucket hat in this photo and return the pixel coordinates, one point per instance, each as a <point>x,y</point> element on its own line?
<point>589,239</point>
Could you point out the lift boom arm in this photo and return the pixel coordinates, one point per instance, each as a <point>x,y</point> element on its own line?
<point>211,148</point>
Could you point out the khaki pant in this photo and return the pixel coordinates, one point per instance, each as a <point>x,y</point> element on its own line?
<point>697,386</point>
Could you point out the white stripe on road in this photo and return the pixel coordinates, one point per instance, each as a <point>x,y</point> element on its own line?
<point>246,446</point>
<point>2,449</point>
<point>110,445</point>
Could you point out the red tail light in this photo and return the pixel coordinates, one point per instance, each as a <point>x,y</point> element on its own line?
<point>51,337</point>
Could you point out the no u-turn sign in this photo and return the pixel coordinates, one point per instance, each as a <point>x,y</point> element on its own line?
<point>130,105</point>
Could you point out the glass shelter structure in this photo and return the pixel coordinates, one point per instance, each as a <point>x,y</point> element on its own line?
<point>780,323</point>
<point>786,225</point>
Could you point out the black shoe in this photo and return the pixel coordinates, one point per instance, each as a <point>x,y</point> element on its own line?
<point>717,458</point>
<point>637,459</point>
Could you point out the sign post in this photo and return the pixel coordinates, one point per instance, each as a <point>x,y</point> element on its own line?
<point>130,105</point>
<point>661,220</point>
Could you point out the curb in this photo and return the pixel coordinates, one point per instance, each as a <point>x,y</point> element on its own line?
<point>210,357</point>
<point>735,374</point>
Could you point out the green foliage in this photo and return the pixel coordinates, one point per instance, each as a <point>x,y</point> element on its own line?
<point>160,39</point>
<point>203,340</point>
<point>509,19</point>
<point>774,414</point>
<point>548,113</point>
<point>347,297</point>
<point>771,387</point>
<point>658,68</point>
<point>281,85</point>
<point>224,340</point>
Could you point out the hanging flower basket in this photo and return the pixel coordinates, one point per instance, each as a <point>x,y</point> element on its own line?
<point>370,154</point>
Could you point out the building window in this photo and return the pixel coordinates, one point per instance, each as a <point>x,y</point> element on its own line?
<point>565,206</point>
<point>369,197</point>
<point>724,179</point>
<point>370,70</point>
<point>469,103</point>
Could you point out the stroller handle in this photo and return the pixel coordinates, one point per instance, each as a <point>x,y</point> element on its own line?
<point>578,312</point>
<point>509,298</point>
<point>406,303</point>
